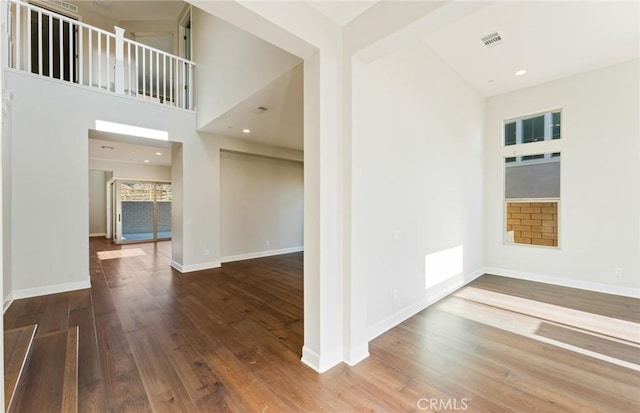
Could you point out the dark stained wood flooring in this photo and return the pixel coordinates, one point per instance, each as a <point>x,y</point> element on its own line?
<point>154,340</point>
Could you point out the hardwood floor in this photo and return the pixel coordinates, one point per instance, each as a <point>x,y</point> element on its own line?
<point>230,339</point>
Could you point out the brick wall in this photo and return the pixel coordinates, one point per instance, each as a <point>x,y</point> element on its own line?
<point>164,216</point>
<point>534,223</point>
<point>137,217</point>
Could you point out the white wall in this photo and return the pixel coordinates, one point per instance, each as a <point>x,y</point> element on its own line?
<point>231,65</point>
<point>261,205</point>
<point>417,179</point>
<point>56,141</point>
<point>5,257</point>
<point>97,202</point>
<point>600,181</point>
<point>130,170</point>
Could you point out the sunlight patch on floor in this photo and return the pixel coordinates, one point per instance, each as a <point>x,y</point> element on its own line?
<point>525,317</point>
<point>109,255</point>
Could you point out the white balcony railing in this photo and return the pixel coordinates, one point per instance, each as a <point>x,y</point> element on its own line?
<point>55,46</point>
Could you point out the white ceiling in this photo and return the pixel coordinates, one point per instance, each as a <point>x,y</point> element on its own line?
<point>283,122</point>
<point>548,39</point>
<point>100,145</point>
<point>342,12</point>
<point>121,10</point>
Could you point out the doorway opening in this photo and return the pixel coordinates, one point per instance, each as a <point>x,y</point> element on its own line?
<point>142,211</point>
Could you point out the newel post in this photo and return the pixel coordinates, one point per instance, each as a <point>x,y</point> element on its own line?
<point>119,69</point>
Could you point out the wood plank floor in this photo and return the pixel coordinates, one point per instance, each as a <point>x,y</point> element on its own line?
<point>230,339</point>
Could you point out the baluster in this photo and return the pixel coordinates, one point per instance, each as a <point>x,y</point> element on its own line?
<point>150,73</point>
<point>50,62</point>
<point>137,72</point>
<point>18,45</point>
<point>90,34</point>
<point>129,66</point>
<point>171,80</point>
<point>190,86</point>
<point>71,56</point>
<point>28,41</point>
<point>108,39</point>
<point>144,74</point>
<point>80,56</point>
<point>164,78</point>
<point>99,60</point>
<point>158,76</point>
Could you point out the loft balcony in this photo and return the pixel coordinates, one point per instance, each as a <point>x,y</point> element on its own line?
<point>44,43</point>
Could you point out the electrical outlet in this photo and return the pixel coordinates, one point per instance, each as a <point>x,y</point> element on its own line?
<point>618,272</point>
<point>395,294</point>
<point>267,242</point>
<point>206,252</point>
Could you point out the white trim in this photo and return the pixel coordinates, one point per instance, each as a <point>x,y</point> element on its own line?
<point>260,254</point>
<point>8,300</point>
<point>195,267</point>
<point>320,363</point>
<point>564,282</point>
<point>98,234</point>
<point>51,289</point>
<point>355,355</point>
<point>434,295</point>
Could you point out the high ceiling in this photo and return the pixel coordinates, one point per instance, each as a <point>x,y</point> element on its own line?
<point>140,10</point>
<point>549,40</point>
<point>342,12</point>
<point>120,148</point>
<point>280,125</point>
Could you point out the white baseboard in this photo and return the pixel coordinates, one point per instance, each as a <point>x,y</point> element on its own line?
<point>320,363</point>
<point>434,295</point>
<point>51,289</point>
<point>355,355</point>
<point>195,267</point>
<point>98,234</point>
<point>564,282</point>
<point>260,254</point>
<point>7,302</point>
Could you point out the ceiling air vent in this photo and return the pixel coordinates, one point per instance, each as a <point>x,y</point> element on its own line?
<point>492,40</point>
<point>259,110</point>
<point>63,5</point>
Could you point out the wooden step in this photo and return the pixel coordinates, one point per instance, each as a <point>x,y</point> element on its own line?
<point>17,343</point>
<point>50,380</point>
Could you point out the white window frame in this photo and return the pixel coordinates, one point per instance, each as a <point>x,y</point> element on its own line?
<point>548,146</point>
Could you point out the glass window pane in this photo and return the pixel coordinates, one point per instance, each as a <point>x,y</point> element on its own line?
<point>527,180</point>
<point>530,157</point>
<point>510,134</point>
<point>556,125</point>
<point>533,129</point>
<point>532,223</point>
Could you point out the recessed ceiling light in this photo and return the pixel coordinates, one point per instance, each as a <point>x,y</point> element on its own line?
<point>521,72</point>
<point>246,131</point>
<point>490,81</point>
<point>159,153</point>
<point>146,161</point>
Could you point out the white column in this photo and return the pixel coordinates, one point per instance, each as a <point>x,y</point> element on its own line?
<point>119,69</point>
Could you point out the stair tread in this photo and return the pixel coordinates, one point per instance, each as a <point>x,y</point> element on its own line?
<point>17,343</point>
<point>50,380</point>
